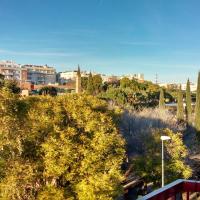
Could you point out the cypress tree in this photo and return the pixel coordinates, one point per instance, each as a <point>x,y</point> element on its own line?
<point>180,108</point>
<point>197,108</point>
<point>90,85</point>
<point>161,99</point>
<point>79,71</point>
<point>188,103</point>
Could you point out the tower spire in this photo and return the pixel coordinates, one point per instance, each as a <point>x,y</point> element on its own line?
<point>78,80</point>
<point>78,71</point>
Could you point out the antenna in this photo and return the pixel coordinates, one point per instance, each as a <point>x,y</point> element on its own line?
<point>156,79</point>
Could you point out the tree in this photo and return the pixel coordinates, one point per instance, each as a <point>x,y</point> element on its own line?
<point>84,82</point>
<point>48,90</point>
<point>188,103</point>
<point>142,130</point>
<point>1,80</point>
<point>197,108</point>
<point>161,99</point>
<point>116,95</point>
<point>90,86</point>
<point>125,82</point>
<point>97,83</point>
<point>180,108</point>
<point>71,151</point>
<point>149,167</point>
<point>11,85</point>
<point>2,77</point>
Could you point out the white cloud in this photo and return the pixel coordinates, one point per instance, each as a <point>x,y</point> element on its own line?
<point>140,43</point>
<point>34,53</point>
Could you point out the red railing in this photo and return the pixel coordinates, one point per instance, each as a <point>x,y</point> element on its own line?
<point>179,189</point>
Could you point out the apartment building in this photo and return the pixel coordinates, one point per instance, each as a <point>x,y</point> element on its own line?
<point>10,70</point>
<point>67,76</point>
<point>139,76</point>
<point>38,74</point>
<point>193,87</point>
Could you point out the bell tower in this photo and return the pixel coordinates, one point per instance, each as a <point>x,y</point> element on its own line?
<point>78,81</point>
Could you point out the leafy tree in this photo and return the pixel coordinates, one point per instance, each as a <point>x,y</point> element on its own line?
<point>11,85</point>
<point>136,94</point>
<point>180,108</point>
<point>161,99</point>
<point>1,80</point>
<point>197,108</point>
<point>2,77</point>
<point>71,151</point>
<point>125,82</point>
<point>97,83</point>
<point>117,95</point>
<point>149,167</point>
<point>84,82</point>
<point>51,193</point>
<point>48,90</point>
<point>13,129</point>
<point>148,86</point>
<point>188,103</point>
<point>90,85</point>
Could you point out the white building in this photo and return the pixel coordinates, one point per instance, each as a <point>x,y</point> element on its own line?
<point>138,76</point>
<point>10,70</point>
<point>193,87</point>
<point>68,75</point>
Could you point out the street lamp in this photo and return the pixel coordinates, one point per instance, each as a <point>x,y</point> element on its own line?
<point>163,137</point>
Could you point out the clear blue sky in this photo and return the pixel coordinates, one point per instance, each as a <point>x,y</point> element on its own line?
<point>107,36</point>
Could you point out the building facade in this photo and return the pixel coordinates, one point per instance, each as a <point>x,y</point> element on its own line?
<point>38,74</point>
<point>68,76</point>
<point>10,70</point>
<point>193,87</point>
<point>139,76</point>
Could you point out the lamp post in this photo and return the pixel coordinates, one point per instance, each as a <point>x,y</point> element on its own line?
<point>163,137</point>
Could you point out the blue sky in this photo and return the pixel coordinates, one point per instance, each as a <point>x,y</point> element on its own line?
<point>107,36</point>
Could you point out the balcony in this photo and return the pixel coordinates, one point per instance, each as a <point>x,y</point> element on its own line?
<point>179,189</point>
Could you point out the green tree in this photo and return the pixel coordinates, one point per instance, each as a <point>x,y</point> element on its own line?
<point>161,99</point>
<point>90,85</point>
<point>149,167</point>
<point>125,82</point>
<point>197,108</point>
<point>51,193</point>
<point>97,83</point>
<point>188,103</point>
<point>180,108</point>
<point>11,85</point>
<point>48,90</point>
<point>71,151</point>
<point>2,77</point>
<point>1,80</point>
<point>84,82</point>
<point>116,95</point>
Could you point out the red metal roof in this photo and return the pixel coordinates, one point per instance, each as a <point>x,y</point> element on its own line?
<point>174,189</point>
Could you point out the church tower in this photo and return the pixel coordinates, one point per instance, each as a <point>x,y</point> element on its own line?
<point>78,81</point>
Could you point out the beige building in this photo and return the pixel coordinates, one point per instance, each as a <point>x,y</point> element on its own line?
<point>38,74</point>
<point>139,76</point>
<point>68,76</point>
<point>10,70</point>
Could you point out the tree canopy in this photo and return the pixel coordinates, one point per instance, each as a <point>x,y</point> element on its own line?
<point>58,148</point>
<point>161,99</point>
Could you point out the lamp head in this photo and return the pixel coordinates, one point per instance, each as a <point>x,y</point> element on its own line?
<point>164,137</point>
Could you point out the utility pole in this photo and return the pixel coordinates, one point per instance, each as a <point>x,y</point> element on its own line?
<point>156,79</point>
